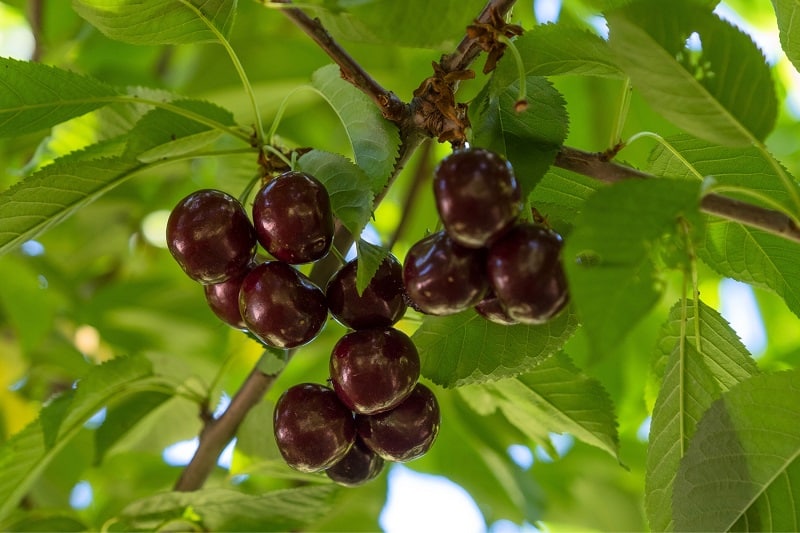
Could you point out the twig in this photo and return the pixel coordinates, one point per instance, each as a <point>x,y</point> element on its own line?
<point>598,167</point>
<point>217,433</point>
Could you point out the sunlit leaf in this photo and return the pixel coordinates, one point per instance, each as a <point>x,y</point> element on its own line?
<point>465,348</point>
<point>160,21</point>
<point>34,96</point>
<point>742,468</point>
<point>374,139</point>
<point>702,92</point>
<point>788,13</point>
<point>370,258</point>
<point>694,375</point>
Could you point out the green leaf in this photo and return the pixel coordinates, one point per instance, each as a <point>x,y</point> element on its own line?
<point>347,185</point>
<point>374,139</point>
<point>370,258</point>
<point>55,192</point>
<point>228,510</point>
<point>529,140</point>
<point>123,416</point>
<point>556,49</point>
<point>711,363</point>
<point>465,348</point>
<point>754,256</point>
<point>744,173</point>
<point>609,257</point>
<point>414,23</point>
<point>788,13</point>
<point>160,21</point>
<point>161,134</point>
<point>561,194</point>
<point>27,453</point>
<point>554,397</point>
<point>34,96</point>
<point>724,93</point>
<point>742,468</point>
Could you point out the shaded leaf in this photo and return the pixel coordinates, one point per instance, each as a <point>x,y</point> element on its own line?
<point>374,139</point>
<point>34,96</point>
<point>742,468</point>
<point>529,140</point>
<point>693,378</point>
<point>609,257</point>
<point>370,257</point>
<point>123,416</point>
<point>347,185</point>
<point>724,93</point>
<point>554,397</point>
<point>160,21</point>
<point>229,510</point>
<point>465,348</point>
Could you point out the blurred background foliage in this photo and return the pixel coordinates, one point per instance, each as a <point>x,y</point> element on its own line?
<point>102,284</point>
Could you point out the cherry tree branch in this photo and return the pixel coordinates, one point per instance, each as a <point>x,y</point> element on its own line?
<point>596,166</point>
<point>217,433</point>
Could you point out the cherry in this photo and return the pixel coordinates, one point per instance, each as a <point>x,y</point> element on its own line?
<point>477,196</point>
<point>293,218</point>
<point>492,310</point>
<point>357,467</point>
<point>281,306</point>
<point>442,277</point>
<point>405,432</point>
<point>380,305</point>
<point>525,270</point>
<point>210,236</point>
<point>373,370</point>
<point>223,299</point>
<point>312,428</point>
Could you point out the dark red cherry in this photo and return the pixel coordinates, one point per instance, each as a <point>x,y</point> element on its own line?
<point>477,196</point>
<point>442,277</point>
<point>492,310</point>
<point>357,467</point>
<point>223,299</point>
<point>525,270</point>
<point>210,236</point>
<point>407,431</point>
<point>281,306</point>
<point>373,370</point>
<point>313,429</point>
<point>293,218</point>
<point>380,305</point>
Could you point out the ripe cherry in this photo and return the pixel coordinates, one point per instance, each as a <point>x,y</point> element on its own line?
<point>526,273</point>
<point>210,236</point>
<point>223,299</point>
<point>357,467</point>
<point>492,310</point>
<point>373,370</point>
<point>281,306</point>
<point>407,431</point>
<point>442,277</point>
<point>313,430</point>
<point>477,196</point>
<point>380,305</point>
<point>293,218</point>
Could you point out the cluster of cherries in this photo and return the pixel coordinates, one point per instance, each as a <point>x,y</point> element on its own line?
<point>376,410</point>
<point>509,271</point>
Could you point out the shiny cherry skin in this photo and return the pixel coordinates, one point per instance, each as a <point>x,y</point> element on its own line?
<point>373,370</point>
<point>441,277</point>
<point>382,303</point>
<point>406,432</point>
<point>223,299</point>
<point>281,306</point>
<point>525,270</point>
<point>492,310</point>
<point>210,236</point>
<point>313,430</point>
<point>293,218</point>
<point>357,467</point>
<point>477,196</point>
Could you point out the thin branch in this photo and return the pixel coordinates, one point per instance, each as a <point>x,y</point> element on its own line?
<point>596,166</point>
